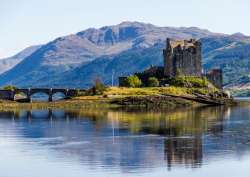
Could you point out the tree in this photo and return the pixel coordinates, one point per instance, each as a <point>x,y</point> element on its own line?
<point>131,81</point>
<point>178,72</point>
<point>8,87</point>
<point>204,81</point>
<point>97,81</point>
<point>152,81</point>
<point>98,86</point>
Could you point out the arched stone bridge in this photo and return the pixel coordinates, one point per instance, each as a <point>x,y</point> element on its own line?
<point>10,94</point>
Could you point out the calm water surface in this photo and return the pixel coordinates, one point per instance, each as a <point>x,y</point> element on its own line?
<point>200,141</point>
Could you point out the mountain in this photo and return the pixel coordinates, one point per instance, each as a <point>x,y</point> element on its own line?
<point>68,52</point>
<point>232,53</point>
<point>124,64</point>
<point>239,34</point>
<point>8,63</point>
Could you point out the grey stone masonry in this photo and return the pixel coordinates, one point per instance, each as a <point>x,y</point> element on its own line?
<point>121,79</point>
<point>10,94</point>
<point>214,77</point>
<point>183,55</point>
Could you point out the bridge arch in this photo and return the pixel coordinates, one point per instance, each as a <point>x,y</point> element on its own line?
<point>26,91</point>
<point>63,91</point>
<point>34,91</point>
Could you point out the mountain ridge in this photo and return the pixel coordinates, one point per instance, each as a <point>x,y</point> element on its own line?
<point>67,52</point>
<point>224,52</point>
<point>8,63</point>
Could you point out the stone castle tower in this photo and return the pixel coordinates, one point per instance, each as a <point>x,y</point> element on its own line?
<point>183,55</point>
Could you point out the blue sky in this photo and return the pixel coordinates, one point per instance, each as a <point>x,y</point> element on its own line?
<point>31,22</point>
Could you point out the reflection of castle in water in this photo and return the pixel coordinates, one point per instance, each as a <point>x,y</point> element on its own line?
<point>189,150</point>
<point>182,129</point>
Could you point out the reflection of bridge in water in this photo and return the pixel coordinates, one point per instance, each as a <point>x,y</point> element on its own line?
<point>33,114</point>
<point>10,94</point>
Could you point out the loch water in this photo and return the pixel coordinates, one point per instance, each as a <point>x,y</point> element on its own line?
<point>201,141</point>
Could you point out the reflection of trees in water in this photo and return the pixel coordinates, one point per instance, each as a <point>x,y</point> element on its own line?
<point>182,127</point>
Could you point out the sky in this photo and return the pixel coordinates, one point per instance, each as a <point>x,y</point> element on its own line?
<point>31,22</point>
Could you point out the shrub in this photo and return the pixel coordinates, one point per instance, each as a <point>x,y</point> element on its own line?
<point>177,81</point>
<point>204,81</point>
<point>7,87</point>
<point>107,88</point>
<point>11,87</point>
<point>152,81</point>
<point>178,72</point>
<point>131,81</point>
<point>88,92</point>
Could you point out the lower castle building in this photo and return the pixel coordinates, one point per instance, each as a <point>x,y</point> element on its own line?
<point>185,56</point>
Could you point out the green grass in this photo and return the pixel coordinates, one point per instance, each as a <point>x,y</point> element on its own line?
<point>125,91</point>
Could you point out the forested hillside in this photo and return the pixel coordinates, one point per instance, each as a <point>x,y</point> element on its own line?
<point>231,53</point>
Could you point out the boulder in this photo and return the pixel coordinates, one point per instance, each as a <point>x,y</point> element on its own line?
<point>209,87</point>
<point>225,93</point>
<point>109,96</point>
<point>188,84</point>
<point>212,95</point>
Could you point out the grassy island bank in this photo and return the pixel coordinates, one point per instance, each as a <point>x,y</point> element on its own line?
<point>139,97</point>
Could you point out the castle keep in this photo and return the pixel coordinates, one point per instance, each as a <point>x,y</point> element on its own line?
<point>185,56</point>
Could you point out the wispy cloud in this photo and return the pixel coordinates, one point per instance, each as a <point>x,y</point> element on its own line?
<point>12,50</point>
<point>24,45</point>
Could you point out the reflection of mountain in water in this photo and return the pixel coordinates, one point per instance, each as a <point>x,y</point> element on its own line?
<point>128,138</point>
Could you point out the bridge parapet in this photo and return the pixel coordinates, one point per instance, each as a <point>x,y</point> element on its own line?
<point>7,94</point>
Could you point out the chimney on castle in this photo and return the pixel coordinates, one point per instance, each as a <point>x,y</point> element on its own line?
<point>168,44</point>
<point>186,44</point>
<point>193,40</point>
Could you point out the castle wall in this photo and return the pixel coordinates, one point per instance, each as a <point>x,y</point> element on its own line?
<point>214,77</point>
<point>143,77</point>
<point>158,72</point>
<point>121,79</point>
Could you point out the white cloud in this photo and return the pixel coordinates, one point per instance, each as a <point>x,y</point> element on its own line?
<point>24,45</point>
<point>12,50</point>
